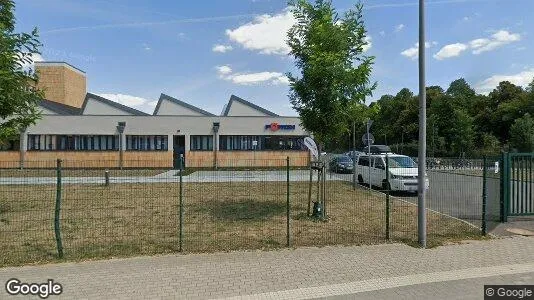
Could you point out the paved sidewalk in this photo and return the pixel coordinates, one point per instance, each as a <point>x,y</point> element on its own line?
<point>284,274</point>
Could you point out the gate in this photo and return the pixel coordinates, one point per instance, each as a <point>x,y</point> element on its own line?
<point>517,184</point>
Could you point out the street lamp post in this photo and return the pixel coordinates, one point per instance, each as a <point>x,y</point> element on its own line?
<point>120,129</point>
<point>421,205</point>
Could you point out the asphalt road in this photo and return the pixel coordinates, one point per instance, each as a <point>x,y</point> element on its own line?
<point>456,195</point>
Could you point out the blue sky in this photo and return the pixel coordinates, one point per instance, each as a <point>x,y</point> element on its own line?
<point>203,51</point>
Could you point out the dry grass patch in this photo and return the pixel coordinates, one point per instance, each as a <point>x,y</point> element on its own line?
<point>143,219</point>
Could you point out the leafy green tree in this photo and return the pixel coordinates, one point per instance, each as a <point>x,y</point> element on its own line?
<point>18,97</point>
<point>507,102</point>
<point>522,134</point>
<point>489,145</point>
<point>334,72</point>
<point>461,93</point>
<point>452,126</point>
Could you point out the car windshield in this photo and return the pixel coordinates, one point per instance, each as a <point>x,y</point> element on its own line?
<point>344,159</point>
<point>401,162</point>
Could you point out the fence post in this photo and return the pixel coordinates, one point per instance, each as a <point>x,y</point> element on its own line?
<point>388,188</point>
<point>325,215</point>
<point>505,196</point>
<point>181,205</point>
<point>57,211</point>
<point>287,204</point>
<point>310,190</point>
<point>484,195</point>
<point>106,177</point>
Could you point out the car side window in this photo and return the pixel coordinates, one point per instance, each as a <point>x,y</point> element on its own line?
<point>363,161</point>
<point>379,163</point>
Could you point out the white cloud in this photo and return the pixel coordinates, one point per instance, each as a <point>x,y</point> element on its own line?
<point>127,100</point>
<point>146,47</point>
<point>479,45</point>
<point>369,41</point>
<point>224,70</point>
<point>139,103</point>
<point>498,39</point>
<point>274,78</point>
<point>261,77</point>
<point>266,34</point>
<point>413,52</point>
<point>451,50</point>
<point>522,79</point>
<point>222,48</point>
<point>399,28</point>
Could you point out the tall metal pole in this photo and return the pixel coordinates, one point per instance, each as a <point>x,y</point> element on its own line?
<point>421,205</point>
<point>369,154</point>
<point>354,155</point>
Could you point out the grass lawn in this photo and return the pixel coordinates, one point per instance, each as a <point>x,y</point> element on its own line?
<point>79,172</point>
<point>143,219</point>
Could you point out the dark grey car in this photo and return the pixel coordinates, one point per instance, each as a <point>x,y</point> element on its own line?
<point>341,164</point>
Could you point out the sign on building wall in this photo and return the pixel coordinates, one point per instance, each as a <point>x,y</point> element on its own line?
<point>275,127</point>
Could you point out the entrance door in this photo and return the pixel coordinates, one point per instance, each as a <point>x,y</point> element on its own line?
<point>178,149</point>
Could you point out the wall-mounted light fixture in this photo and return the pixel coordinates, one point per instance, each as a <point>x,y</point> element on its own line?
<point>121,126</point>
<point>216,126</point>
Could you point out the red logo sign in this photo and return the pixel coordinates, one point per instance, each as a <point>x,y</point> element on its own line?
<point>275,126</point>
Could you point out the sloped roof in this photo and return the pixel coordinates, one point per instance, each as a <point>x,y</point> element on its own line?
<point>59,108</point>
<point>113,104</point>
<point>163,97</point>
<point>247,103</point>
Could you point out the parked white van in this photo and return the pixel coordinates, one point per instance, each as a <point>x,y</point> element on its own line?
<point>403,172</point>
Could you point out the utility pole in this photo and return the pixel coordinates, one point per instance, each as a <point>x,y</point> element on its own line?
<point>421,205</point>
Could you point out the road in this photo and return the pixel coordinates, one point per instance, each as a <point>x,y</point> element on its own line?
<point>455,195</point>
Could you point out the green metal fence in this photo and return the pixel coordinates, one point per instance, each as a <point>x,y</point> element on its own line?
<point>57,213</point>
<point>517,184</point>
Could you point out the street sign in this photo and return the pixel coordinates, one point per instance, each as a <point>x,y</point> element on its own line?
<point>368,140</point>
<point>310,144</point>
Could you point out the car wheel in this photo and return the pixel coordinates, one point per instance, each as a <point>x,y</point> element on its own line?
<point>360,179</point>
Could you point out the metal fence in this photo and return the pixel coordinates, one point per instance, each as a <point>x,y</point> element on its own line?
<point>69,210</point>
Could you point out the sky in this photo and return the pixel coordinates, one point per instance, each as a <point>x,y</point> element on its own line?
<point>201,52</point>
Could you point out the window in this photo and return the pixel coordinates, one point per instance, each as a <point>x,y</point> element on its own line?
<point>45,142</point>
<point>363,161</point>
<point>201,143</point>
<point>379,163</point>
<point>147,142</point>
<point>261,143</point>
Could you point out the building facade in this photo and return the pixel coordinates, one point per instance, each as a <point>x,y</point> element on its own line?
<point>84,129</point>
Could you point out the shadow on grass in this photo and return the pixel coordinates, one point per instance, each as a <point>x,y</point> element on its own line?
<point>243,210</point>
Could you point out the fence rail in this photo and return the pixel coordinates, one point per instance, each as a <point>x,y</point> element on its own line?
<point>72,211</point>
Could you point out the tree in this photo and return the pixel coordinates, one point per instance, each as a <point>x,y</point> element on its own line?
<point>450,127</point>
<point>334,72</point>
<point>522,134</point>
<point>508,103</point>
<point>18,97</point>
